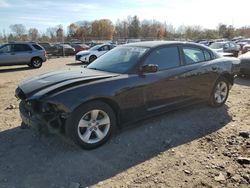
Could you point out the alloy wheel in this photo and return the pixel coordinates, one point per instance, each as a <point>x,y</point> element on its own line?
<point>221,92</point>
<point>93,126</point>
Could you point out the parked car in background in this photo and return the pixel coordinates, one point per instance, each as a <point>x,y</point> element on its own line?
<point>22,53</point>
<point>92,44</point>
<point>245,48</point>
<point>126,84</point>
<point>243,42</point>
<point>93,53</point>
<point>205,42</point>
<point>245,63</point>
<point>79,47</point>
<point>227,48</point>
<point>64,49</point>
<point>50,49</point>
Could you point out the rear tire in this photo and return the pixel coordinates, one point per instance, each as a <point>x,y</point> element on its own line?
<point>91,124</point>
<point>220,92</point>
<point>36,62</point>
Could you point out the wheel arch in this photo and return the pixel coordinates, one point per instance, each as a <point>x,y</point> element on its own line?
<point>114,106</point>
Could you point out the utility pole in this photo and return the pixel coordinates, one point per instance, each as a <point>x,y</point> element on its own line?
<point>63,43</point>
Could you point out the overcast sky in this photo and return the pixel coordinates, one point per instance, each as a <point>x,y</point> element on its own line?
<point>46,13</point>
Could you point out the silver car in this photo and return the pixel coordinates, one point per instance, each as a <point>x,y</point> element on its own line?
<point>22,53</point>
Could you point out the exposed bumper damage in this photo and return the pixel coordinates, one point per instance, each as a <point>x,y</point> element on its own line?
<point>41,119</point>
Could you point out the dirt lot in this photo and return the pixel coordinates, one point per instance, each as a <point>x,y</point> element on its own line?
<point>196,147</point>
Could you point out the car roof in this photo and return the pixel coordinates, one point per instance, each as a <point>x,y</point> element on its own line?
<point>153,44</point>
<point>19,42</point>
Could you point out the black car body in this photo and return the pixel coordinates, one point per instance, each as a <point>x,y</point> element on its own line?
<point>139,88</point>
<point>245,63</point>
<point>64,49</point>
<point>50,49</point>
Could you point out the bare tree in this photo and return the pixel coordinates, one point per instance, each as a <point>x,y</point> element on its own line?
<point>33,34</point>
<point>19,31</point>
<point>51,32</point>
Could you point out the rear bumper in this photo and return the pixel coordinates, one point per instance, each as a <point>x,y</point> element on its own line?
<point>245,67</point>
<point>245,71</point>
<point>44,59</point>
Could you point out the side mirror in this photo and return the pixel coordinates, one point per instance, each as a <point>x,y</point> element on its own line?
<point>150,68</point>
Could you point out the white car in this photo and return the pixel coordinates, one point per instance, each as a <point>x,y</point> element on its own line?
<point>93,53</point>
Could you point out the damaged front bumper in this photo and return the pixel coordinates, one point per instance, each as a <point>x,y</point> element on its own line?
<point>44,122</point>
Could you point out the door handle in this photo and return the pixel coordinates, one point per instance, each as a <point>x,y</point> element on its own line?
<point>12,53</point>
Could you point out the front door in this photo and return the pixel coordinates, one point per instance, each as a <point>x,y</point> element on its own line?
<point>164,88</point>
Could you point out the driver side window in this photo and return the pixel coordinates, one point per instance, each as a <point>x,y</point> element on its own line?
<point>165,58</point>
<point>104,48</point>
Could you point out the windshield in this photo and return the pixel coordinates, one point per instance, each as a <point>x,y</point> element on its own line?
<point>216,45</point>
<point>118,60</point>
<point>95,47</point>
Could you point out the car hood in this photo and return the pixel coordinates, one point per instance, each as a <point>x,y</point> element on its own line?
<point>59,79</point>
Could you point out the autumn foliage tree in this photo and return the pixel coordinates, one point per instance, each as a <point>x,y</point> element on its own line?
<point>131,27</point>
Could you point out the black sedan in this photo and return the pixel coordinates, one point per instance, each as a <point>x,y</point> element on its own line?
<point>226,48</point>
<point>126,84</point>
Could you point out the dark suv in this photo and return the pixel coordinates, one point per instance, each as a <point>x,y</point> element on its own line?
<point>22,53</point>
<point>49,48</point>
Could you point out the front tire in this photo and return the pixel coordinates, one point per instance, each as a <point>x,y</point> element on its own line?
<point>220,92</point>
<point>91,125</point>
<point>92,58</point>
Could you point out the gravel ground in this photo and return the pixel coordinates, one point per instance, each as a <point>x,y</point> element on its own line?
<point>196,147</point>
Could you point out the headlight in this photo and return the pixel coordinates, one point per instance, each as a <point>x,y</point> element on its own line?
<point>47,107</point>
<point>85,55</point>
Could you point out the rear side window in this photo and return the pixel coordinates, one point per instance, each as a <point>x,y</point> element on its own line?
<point>37,47</point>
<point>21,48</point>
<point>165,58</point>
<point>207,55</point>
<point>193,55</point>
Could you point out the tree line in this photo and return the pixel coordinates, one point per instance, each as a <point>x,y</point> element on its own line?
<point>131,27</point>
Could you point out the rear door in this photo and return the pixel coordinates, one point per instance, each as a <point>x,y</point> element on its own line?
<point>200,73</point>
<point>22,53</point>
